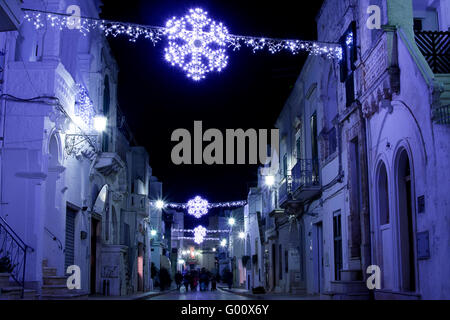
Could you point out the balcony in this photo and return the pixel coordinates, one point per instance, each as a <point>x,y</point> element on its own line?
<point>435,47</point>
<point>284,192</point>
<point>305,179</point>
<point>139,203</point>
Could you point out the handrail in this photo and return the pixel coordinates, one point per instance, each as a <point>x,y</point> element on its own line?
<point>18,239</point>
<point>15,249</point>
<point>55,238</point>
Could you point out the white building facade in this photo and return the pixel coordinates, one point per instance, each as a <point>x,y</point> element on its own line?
<point>74,195</point>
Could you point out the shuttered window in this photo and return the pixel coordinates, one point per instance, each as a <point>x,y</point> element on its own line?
<point>70,238</point>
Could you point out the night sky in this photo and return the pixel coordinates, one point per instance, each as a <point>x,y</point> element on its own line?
<point>250,93</point>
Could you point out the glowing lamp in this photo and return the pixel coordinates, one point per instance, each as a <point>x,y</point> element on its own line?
<point>100,123</point>
<point>160,204</point>
<point>270,181</point>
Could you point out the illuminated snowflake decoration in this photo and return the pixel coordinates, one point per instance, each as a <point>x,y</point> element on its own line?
<point>199,234</point>
<point>84,107</point>
<point>196,44</point>
<point>197,207</point>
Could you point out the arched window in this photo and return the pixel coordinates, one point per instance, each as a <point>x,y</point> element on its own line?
<point>383,195</point>
<point>53,151</point>
<point>106,107</point>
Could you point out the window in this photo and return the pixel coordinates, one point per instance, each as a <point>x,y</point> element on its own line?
<point>337,241</point>
<point>286,259</point>
<point>285,170</point>
<point>106,105</point>
<point>298,146</point>
<point>383,195</point>
<point>280,262</point>
<point>349,44</point>
<point>418,24</point>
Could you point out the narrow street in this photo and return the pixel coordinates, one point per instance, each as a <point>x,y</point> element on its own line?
<point>207,295</point>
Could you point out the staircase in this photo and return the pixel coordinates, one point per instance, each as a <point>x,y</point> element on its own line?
<point>13,252</point>
<point>348,288</point>
<point>10,291</point>
<point>54,287</point>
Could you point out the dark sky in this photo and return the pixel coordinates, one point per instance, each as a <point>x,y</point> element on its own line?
<point>250,93</point>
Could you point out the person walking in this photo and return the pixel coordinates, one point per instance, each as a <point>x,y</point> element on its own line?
<point>178,279</point>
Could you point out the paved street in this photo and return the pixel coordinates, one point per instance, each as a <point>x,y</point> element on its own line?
<point>208,295</point>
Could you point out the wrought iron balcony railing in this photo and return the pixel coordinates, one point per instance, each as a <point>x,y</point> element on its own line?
<point>435,46</point>
<point>305,174</point>
<point>13,253</point>
<point>284,191</point>
<point>442,115</point>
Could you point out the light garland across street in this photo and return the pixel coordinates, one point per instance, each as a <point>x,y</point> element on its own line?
<point>196,43</point>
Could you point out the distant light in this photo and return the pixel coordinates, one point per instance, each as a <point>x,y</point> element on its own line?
<point>100,123</point>
<point>231,221</point>
<point>214,249</point>
<point>181,261</point>
<point>160,204</point>
<point>153,233</point>
<point>223,243</point>
<point>270,181</point>
<point>241,235</point>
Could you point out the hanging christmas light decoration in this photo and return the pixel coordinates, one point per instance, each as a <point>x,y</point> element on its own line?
<point>349,40</point>
<point>197,44</point>
<point>84,107</point>
<point>199,234</point>
<point>193,230</point>
<point>197,207</point>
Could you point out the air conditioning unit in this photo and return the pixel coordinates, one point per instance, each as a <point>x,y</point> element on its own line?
<point>10,15</point>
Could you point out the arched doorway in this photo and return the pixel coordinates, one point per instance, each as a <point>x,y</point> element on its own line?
<point>406,220</point>
<point>384,246</point>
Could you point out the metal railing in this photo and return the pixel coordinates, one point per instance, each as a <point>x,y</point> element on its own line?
<point>284,191</point>
<point>435,46</point>
<point>14,250</point>
<point>305,173</point>
<point>55,238</point>
<point>442,115</point>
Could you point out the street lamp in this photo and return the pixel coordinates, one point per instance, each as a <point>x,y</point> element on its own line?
<point>160,204</point>
<point>223,244</point>
<point>153,232</point>
<point>100,123</point>
<point>241,235</point>
<point>269,180</point>
<point>231,221</point>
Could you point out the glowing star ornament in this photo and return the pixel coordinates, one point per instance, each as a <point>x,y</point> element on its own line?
<point>196,44</point>
<point>199,234</point>
<point>197,207</point>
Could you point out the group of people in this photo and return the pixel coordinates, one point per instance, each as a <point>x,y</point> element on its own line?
<point>161,277</point>
<point>193,279</point>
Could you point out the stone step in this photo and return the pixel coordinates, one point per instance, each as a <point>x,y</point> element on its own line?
<point>72,295</point>
<point>4,279</point>
<point>12,293</point>
<point>54,289</point>
<point>54,280</point>
<point>346,287</point>
<point>350,275</point>
<point>30,295</point>
<point>49,272</point>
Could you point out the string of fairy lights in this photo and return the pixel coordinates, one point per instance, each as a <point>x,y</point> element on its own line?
<point>198,207</point>
<point>195,43</point>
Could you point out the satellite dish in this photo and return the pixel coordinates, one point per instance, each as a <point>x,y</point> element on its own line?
<point>100,202</point>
